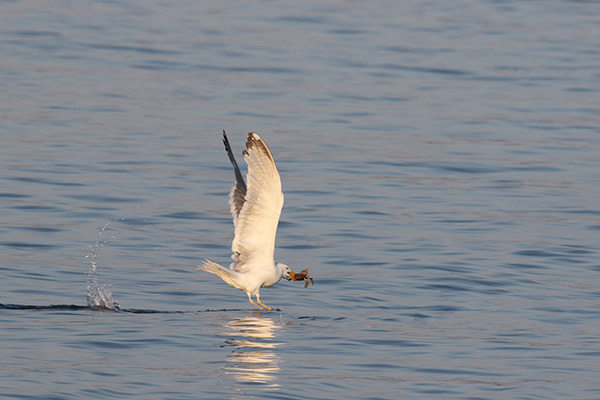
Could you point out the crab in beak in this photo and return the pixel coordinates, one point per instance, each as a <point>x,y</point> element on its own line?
<point>302,276</point>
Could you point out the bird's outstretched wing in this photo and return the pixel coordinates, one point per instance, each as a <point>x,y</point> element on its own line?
<point>258,214</point>
<point>238,191</point>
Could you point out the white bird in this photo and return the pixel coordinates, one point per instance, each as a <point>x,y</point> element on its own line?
<point>256,209</point>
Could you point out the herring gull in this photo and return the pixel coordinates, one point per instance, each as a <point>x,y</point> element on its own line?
<point>255,208</point>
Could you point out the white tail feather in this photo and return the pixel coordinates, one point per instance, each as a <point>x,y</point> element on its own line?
<point>227,275</point>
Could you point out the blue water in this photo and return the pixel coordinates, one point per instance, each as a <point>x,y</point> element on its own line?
<point>440,164</point>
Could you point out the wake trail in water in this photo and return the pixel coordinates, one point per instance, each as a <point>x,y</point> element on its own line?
<point>99,296</point>
<point>75,307</point>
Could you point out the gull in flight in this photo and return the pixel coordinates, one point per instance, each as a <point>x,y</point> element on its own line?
<point>256,209</point>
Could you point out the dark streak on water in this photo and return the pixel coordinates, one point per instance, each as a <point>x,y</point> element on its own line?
<point>74,307</point>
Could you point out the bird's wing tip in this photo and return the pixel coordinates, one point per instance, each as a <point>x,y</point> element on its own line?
<point>255,141</point>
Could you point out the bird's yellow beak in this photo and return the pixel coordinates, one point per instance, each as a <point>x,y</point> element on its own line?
<point>291,276</point>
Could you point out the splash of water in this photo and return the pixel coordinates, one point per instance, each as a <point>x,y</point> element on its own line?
<point>99,296</point>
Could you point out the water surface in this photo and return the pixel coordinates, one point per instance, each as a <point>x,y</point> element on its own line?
<point>440,166</point>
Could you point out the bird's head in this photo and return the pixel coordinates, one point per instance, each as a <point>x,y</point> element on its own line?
<point>286,272</point>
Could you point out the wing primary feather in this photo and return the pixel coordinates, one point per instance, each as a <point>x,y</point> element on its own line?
<point>237,196</point>
<point>239,179</point>
<point>254,141</point>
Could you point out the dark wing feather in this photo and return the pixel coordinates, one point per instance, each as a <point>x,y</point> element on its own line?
<point>238,192</point>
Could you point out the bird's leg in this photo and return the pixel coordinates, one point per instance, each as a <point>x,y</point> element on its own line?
<point>261,303</point>
<point>252,301</point>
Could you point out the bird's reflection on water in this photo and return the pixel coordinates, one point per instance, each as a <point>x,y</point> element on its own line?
<point>253,359</point>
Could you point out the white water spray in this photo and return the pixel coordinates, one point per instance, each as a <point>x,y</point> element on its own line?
<point>99,296</point>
